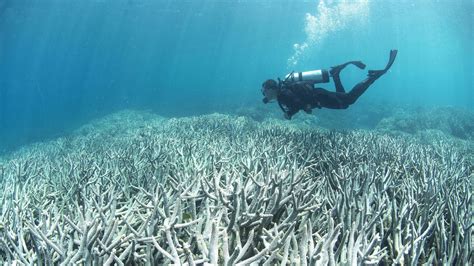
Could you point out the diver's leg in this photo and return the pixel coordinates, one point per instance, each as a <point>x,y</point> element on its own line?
<point>358,90</point>
<point>337,82</point>
<point>337,69</point>
<point>373,75</point>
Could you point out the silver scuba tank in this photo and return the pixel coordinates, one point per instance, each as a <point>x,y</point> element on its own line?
<point>313,76</point>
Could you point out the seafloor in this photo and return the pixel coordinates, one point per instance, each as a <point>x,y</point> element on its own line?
<point>135,188</point>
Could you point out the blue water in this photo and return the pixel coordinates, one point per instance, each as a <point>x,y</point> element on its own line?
<point>64,62</point>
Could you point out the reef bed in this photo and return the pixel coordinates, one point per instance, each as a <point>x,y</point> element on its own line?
<point>134,188</point>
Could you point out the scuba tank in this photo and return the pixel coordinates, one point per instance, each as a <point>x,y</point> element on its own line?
<point>313,76</point>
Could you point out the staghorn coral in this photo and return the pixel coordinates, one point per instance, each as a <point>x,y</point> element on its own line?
<point>227,190</point>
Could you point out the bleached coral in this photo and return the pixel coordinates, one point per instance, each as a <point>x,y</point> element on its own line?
<point>227,190</point>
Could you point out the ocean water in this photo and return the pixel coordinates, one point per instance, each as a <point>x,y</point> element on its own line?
<point>133,132</point>
<point>63,63</point>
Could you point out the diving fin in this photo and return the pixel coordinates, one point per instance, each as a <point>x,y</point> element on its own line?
<point>335,70</point>
<point>378,73</point>
<point>358,64</point>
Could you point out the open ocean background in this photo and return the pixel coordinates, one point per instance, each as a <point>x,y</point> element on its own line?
<point>64,62</point>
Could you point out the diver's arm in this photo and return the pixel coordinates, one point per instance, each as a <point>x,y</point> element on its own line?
<point>291,113</point>
<point>290,101</point>
<point>288,112</point>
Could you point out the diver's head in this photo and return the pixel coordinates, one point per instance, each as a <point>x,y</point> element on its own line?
<point>270,90</point>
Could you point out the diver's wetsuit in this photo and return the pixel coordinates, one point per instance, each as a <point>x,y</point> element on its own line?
<point>303,96</point>
<point>296,97</point>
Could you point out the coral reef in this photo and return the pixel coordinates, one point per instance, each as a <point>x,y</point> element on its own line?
<point>228,190</point>
<point>455,122</point>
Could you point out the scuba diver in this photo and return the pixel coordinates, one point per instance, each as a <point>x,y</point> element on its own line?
<point>297,91</point>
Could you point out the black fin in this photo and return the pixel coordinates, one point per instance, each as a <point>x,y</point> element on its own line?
<point>393,55</point>
<point>378,73</point>
<point>336,69</point>
<point>358,64</point>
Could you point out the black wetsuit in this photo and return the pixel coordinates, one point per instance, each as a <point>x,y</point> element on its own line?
<point>299,96</point>
<point>294,97</point>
